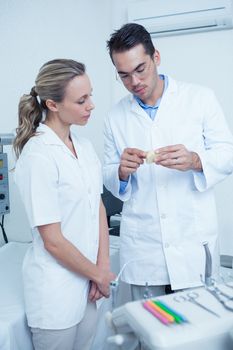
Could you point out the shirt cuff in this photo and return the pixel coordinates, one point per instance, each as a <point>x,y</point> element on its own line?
<point>123,185</point>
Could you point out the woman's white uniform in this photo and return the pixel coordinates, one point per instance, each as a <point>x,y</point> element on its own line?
<point>168,214</point>
<point>55,186</point>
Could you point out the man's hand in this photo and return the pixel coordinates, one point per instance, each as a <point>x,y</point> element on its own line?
<point>178,157</point>
<point>131,159</point>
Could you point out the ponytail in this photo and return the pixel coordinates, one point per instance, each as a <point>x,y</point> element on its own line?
<point>30,116</point>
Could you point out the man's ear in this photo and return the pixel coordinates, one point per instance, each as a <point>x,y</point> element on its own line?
<point>51,105</point>
<point>157,58</point>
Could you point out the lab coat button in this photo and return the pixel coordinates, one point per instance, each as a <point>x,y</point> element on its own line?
<point>89,190</point>
<point>166,245</point>
<point>163,216</point>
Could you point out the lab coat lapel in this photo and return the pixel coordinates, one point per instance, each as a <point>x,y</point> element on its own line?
<point>83,165</point>
<point>137,109</point>
<point>165,113</point>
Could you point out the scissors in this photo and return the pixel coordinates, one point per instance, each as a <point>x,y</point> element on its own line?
<point>191,297</point>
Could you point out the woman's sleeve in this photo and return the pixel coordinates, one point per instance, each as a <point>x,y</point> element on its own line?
<point>37,180</point>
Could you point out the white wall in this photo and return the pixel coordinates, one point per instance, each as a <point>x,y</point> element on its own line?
<point>33,32</point>
<point>207,59</point>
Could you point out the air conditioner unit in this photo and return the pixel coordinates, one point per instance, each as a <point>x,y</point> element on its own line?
<point>164,17</point>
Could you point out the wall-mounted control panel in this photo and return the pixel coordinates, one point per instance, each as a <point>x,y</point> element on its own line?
<point>4,185</point>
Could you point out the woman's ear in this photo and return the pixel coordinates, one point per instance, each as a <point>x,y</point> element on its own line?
<point>51,105</point>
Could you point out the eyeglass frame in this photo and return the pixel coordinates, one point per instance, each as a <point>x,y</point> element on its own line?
<point>139,74</point>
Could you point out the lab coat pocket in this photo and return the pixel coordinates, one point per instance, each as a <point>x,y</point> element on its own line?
<point>205,215</point>
<point>128,221</point>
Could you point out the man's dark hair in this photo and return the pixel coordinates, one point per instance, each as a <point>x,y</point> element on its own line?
<point>128,36</point>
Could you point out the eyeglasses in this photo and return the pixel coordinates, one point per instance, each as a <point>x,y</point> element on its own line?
<point>140,72</point>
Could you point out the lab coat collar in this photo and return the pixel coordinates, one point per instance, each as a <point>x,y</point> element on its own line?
<point>49,136</point>
<point>172,86</point>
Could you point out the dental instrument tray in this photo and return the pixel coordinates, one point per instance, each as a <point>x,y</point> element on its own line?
<point>206,327</point>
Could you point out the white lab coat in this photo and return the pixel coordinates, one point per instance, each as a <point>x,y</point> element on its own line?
<point>168,214</point>
<point>55,186</point>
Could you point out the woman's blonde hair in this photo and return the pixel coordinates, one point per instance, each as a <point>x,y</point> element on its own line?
<point>50,83</point>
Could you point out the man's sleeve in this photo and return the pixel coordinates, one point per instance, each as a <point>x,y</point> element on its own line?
<point>217,156</point>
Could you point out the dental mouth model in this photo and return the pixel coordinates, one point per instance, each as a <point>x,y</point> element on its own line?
<point>151,157</point>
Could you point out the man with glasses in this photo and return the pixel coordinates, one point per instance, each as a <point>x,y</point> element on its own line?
<point>169,207</point>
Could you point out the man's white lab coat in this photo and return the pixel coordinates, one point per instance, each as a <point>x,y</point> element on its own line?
<point>168,214</point>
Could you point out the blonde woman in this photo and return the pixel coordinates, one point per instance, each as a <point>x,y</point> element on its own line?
<point>59,179</point>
